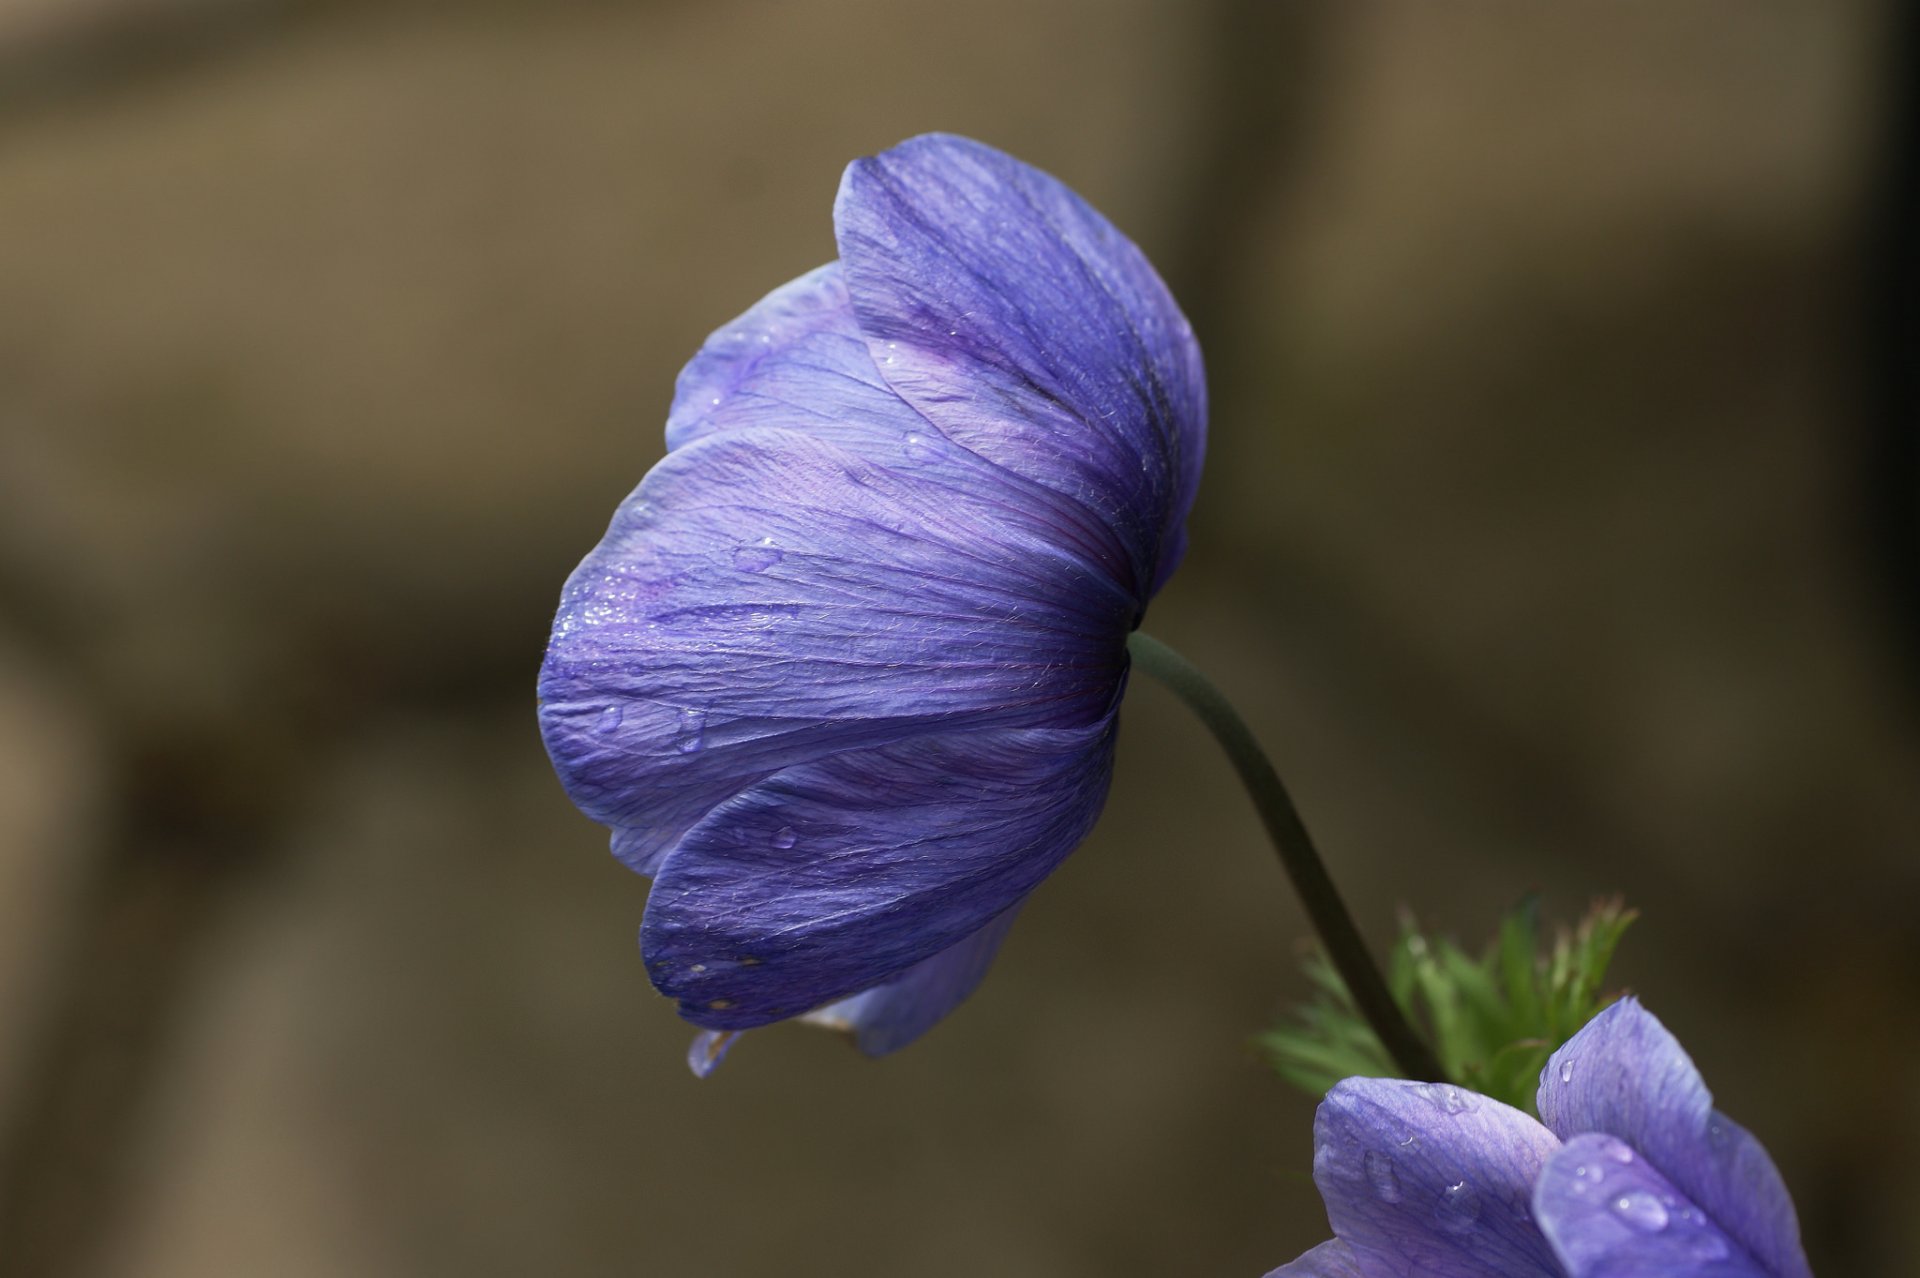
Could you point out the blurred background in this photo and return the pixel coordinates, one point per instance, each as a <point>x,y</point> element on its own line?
<point>1558,536</point>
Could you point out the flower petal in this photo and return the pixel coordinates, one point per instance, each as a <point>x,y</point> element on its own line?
<point>1432,1178</point>
<point>1329,1260</point>
<point>1624,1075</point>
<point>888,1017</point>
<point>765,598</point>
<point>1002,306</point>
<point>1610,1214</point>
<point>830,878</point>
<point>797,361</point>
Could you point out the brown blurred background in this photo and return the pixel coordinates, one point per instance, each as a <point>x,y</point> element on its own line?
<point>1553,539</point>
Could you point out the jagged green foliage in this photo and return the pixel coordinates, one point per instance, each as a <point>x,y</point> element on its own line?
<point>1493,1020</point>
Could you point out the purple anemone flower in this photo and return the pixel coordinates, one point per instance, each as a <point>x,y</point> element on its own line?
<point>843,675</point>
<point>1633,1175</point>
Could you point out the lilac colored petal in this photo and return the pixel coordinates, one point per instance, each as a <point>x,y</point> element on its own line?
<point>1329,1260</point>
<point>830,878</point>
<point>797,361</point>
<point>1431,1178</point>
<point>765,598</point>
<point>888,1017</point>
<point>1028,329</point>
<point>1610,1214</point>
<point>1624,1075</point>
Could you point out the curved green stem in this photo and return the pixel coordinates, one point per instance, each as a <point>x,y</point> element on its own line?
<point>1297,855</point>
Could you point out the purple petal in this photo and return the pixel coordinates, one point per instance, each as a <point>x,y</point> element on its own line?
<point>1028,329</point>
<point>1624,1075</point>
<point>797,361</point>
<point>1610,1214</point>
<point>765,598</point>
<point>888,1017</point>
<point>1431,1178</point>
<point>833,877</point>
<point>1329,1260</point>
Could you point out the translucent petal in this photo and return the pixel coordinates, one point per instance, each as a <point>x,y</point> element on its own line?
<point>888,1017</point>
<point>1610,1214</point>
<point>1624,1075</point>
<point>1432,1179</point>
<point>796,360</point>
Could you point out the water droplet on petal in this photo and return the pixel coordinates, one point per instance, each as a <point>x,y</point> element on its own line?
<point>1619,1153</point>
<point>758,557</point>
<point>1641,1210</point>
<point>1707,1245</point>
<point>708,1050</point>
<point>609,719</point>
<point>693,731</point>
<point>1380,1174</point>
<point>784,838</point>
<point>1448,1099</point>
<point>1458,1208</point>
<point>919,448</point>
<point>1566,1071</point>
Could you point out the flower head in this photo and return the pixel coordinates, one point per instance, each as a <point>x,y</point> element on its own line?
<point>843,674</point>
<point>1632,1173</point>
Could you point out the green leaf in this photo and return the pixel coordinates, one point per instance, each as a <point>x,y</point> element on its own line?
<point>1493,1020</point>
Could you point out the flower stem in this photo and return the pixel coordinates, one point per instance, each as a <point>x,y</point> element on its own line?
<point>1297,855</point>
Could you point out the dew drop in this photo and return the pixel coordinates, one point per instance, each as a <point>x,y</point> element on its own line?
<point>1381,1175</point>
<point>1641,1210</point>
<point>1566,1071</point>
<point>1707,1245</point>
<point>1458,1209</point>
<point>758,557</point>
<point>1618,1153</point>
<point>609,719</point>
<point>784,838</point>
<point>918,448</point>
<point>709,1049</point>
<point>693,731</point>
<point>1448,1099</point>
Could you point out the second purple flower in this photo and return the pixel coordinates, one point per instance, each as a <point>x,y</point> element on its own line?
<point>1631,1173</point>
